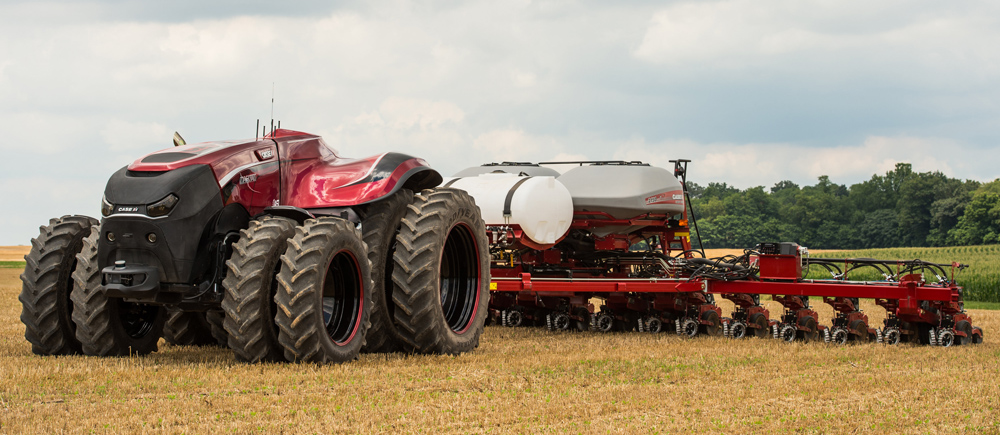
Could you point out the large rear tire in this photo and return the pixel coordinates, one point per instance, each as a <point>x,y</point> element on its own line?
<point>250,289</point>
<point>46,308</point>
<point>441,275</point>
<point>324,293</point>
<point>110,326</point>
<point>380,226</point>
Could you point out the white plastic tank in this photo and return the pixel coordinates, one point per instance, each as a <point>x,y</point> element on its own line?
<point>541,206</point>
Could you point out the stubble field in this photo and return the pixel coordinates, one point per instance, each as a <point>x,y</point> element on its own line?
<point>521,380</point>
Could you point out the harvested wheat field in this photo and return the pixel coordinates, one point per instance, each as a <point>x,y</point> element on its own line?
<point>519,380</point>
<point>13,253</point>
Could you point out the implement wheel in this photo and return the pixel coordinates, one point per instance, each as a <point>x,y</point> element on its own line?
<point>584,315</point>
<point>324,293</point>
<point>813,331</point>
<point>110,326</point>
<point>380,226</point>
<point>713,328</point>
<point>759,321</point>
<point>251,286</point>
<point>46,308</point>
<point>737,330</point>
<point>441,274</point>
<point>966,327</point>
<point>859,330</point>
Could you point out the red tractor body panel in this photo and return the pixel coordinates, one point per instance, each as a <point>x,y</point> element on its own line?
<point>314,176</point>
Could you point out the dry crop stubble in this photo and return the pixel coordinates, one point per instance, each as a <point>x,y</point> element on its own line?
<point>521,380</point>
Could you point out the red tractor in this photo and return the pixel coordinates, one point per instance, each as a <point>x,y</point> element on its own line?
<point>277,247</point>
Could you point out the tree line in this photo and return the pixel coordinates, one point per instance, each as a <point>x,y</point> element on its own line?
<point>899,209</point>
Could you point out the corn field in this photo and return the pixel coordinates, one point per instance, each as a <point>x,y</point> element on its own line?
<point>981,279</point>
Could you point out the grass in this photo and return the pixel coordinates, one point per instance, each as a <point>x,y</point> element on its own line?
<point>12,265</point>
<point>975,305</point>
<point>522,380</point>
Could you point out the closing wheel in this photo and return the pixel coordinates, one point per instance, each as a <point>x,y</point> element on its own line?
<point>46,308</point>
<point>324,293</point>
<point>737,330</point>
<point>110,326</point>
<point>810,330</point>
<point>654,325</point>
<point>891,336</point>
<point>977,335</point>
<point>839,336</point>
<point>787,333</point>
<point>560,321</point>
<point>689,328</point>
<point>251,285</point>
<point>945,338</point>
<point>759,322</point>
<point>441,275</point>
<point>513,318</point>
<point>604,322</point>
<point>380,226</point>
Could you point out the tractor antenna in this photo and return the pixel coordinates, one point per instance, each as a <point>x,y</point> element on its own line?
<point>272,107</point>
<point>256,129</point>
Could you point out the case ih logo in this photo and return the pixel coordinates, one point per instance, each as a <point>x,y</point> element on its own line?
<point>672,197</point>
<point>248,179</point>
<point>127,209</point>
<point>265,154</point>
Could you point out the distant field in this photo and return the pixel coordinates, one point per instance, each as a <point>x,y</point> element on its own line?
<point>981,280</point>
<point>13,253</point>
<point>523,380</point>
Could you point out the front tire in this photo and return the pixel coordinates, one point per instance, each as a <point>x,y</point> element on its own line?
<point>441,275</point>
<point>251,287</point>
<point>46,308</point>
<point>324,293</point>
<point>110,326</point>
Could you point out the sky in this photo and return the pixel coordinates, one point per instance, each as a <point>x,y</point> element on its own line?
<point>752,91</point>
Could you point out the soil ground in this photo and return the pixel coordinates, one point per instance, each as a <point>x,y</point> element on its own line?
<point>523,380</point>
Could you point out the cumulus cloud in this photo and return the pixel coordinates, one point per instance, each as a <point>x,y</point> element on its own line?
<point>753,91</point>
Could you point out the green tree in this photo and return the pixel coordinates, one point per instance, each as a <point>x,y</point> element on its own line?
<point>980,223</point>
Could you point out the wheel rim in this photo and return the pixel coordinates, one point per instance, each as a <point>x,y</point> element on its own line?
<point>891,337</point>
<point>459,279</point>
<point>840,336</point>
<point>342,298</point>
<point>738,330</point>
<point>690,328</point>
<point>946,339</point>
<point>654,325</point>
<point>561,322</point>
<point>137,319</point>
<point>605,322</point>
<point>788,333</point>
<point>514,318</point>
